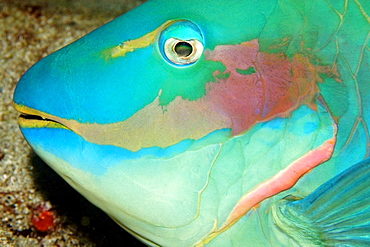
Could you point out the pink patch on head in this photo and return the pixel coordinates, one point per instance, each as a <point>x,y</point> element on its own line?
<point>275,86</point>
<point>239,96</point>
<point>274,70</point>
<point>241,56</point>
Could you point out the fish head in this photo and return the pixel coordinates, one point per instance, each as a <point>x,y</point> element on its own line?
<point>146,115</point>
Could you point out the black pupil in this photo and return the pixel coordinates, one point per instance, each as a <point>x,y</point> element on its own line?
<point>183,49</point>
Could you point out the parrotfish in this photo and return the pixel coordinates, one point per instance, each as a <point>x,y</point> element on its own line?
<point>214,123</point>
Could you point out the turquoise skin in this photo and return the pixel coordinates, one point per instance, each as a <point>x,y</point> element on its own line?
<point>217,151</point>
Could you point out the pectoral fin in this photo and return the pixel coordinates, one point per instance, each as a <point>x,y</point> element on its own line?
<point>335,214</point>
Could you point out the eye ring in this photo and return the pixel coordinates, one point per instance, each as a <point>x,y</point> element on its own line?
<point>183,51</point>
<point>181,43</point>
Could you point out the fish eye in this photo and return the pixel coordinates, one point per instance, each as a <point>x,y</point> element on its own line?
<point>182,51</point>
<point>181,43</point>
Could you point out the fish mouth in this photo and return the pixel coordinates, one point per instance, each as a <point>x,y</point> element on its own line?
<point>31,118</point>
<point>35,121</point>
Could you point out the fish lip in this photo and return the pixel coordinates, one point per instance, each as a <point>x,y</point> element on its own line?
<point>30,119</point>
<point>35,121</point>
<point>36,118</point>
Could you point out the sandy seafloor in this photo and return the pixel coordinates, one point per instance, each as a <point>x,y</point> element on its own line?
<point>29,30</point>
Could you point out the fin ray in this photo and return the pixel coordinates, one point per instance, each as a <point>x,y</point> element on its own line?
<point>335,214</point>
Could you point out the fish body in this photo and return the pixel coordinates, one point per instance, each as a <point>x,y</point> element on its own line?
<point>214,123</point>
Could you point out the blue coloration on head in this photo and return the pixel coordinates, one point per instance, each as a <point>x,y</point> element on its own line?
<point>276,123</point>
<point>96,159</point>
<point>310,127</point>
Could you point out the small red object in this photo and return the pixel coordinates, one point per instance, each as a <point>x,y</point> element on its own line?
<point>42,219</point>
